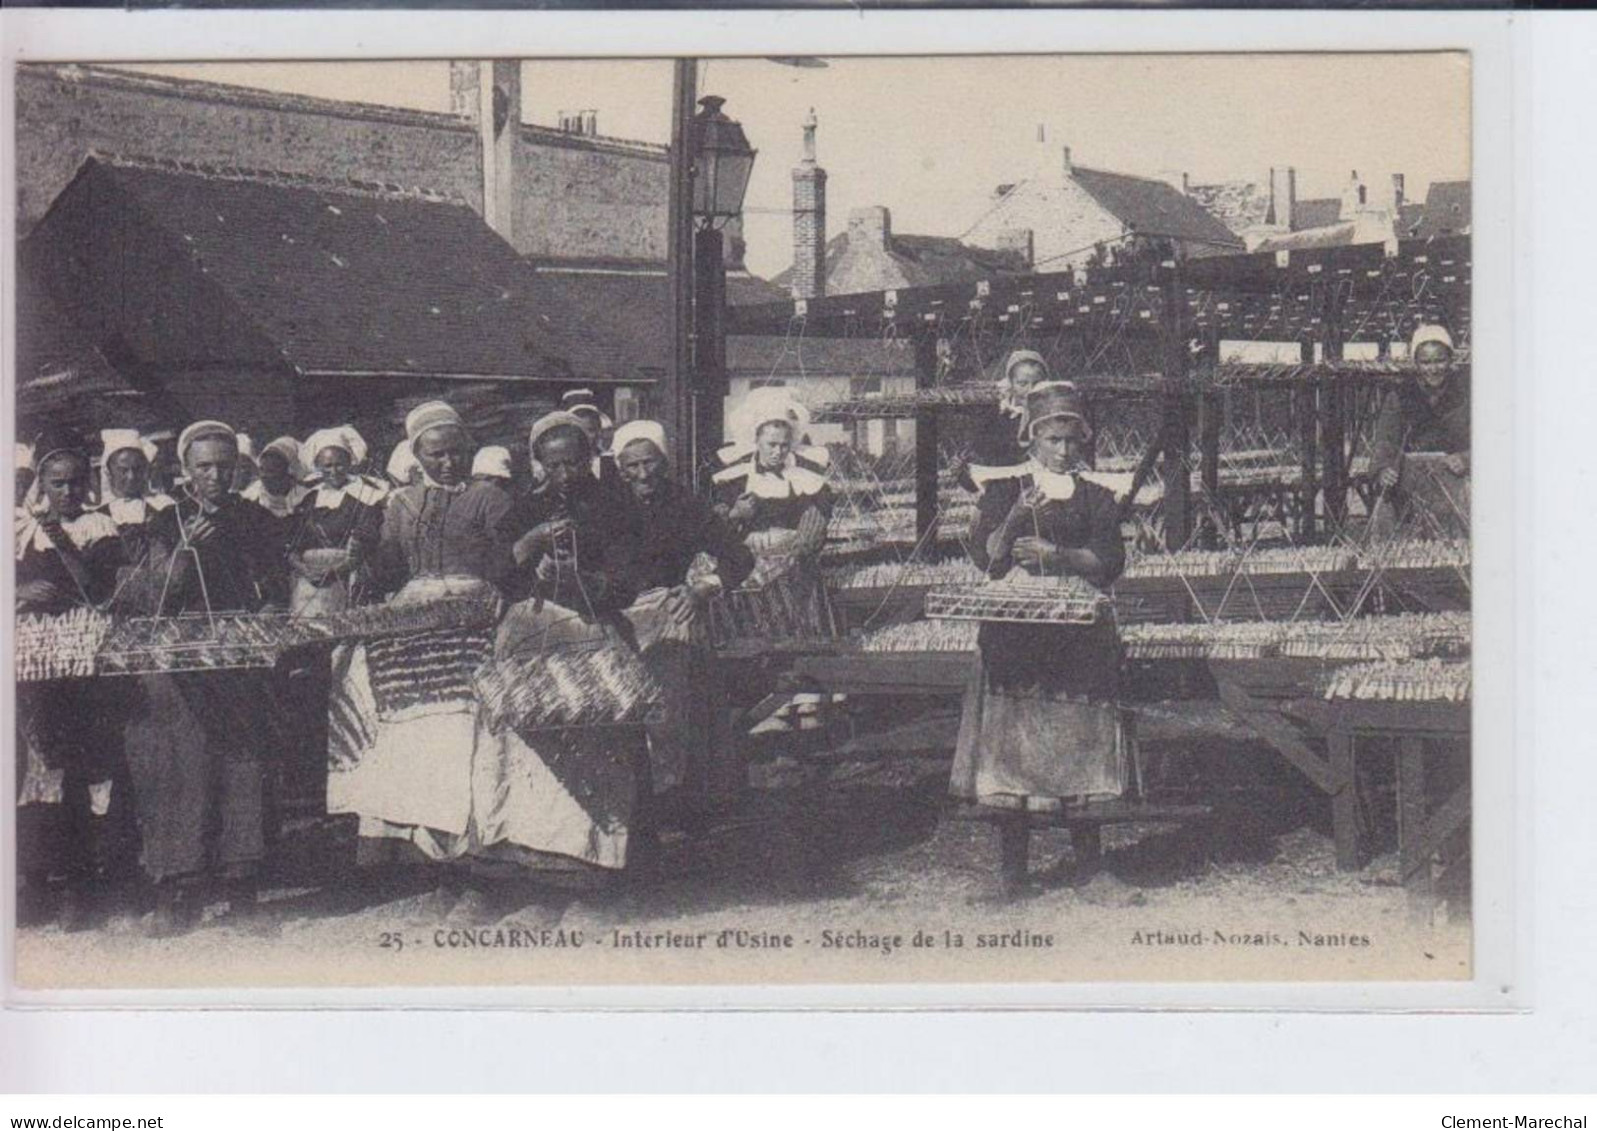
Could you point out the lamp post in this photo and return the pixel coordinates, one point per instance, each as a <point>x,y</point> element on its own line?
<point>723,160</point>
<point>711,160</point>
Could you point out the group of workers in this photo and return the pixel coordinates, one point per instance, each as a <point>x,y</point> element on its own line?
<point>604,548</point>
<point>175,769</point>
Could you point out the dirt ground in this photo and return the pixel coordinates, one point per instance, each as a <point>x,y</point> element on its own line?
<point>830,871</point>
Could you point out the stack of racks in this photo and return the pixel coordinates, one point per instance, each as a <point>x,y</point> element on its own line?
<point>1402,681</point>
<point>1390,638</point>
<point>1043,600</point>
<point>59,647</point>
<point>1222,563</point>
<point>589,685</point>
<point>1441,553</point>
<point>923,636</point>
<point>884,575</point>
<point>1400,637</point>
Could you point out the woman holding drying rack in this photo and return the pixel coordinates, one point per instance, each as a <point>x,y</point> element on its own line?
<point>199,741</point>
<point>72,796</point>
<point>1040,726</point>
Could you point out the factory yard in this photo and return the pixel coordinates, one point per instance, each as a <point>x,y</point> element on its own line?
<point>830,870</point>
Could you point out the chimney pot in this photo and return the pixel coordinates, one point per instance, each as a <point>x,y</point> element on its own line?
<point>809,220</point>
<point>873,226</point>
<point>1069,167</point>
<point>1397,191</point>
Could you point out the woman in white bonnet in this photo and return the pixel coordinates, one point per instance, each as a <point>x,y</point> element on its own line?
<point>336,525</point>
<point>1421,451</point>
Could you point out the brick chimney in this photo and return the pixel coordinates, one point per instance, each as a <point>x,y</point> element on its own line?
<point>870,227</point>
<point>1069,166</point>
<point>1397,192</point>
<point>1283,197</point>
<point>465,89</point>
<point>1019,241</point>
<point>809,220</point>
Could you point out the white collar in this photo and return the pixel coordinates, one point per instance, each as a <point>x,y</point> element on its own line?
<point>279,505</point>
<point>1055,486</point>
<point>132,512</point>
<point>329,498</point>
<point>83,531</point>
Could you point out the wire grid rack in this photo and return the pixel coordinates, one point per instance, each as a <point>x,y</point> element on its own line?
<point>1064,600</point>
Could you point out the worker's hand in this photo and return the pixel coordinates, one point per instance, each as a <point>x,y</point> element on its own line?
<point>704,589</point>
<point>39,592</point>
<point>742,510</point>
<point>679,605</point>
<point>541,539</point>
<point>200,531</point>
<point>1458,463</point>
<point>549,569</point>
<point>1036,555</point>
<point>1388,477</point>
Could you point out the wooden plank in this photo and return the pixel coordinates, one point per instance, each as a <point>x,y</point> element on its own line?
<point>1280,734</point>
<point>885,673</point>
<point>1448,818</point>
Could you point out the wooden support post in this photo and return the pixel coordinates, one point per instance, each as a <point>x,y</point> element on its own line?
<point>1086,845</point>
<point>1414,853</point>
<point>926,446</point>
<point>1177,435</point>
<point>1345,831</point>
<point>1209,411</point>
<point>1308,431</point>
<point>1333,430</point>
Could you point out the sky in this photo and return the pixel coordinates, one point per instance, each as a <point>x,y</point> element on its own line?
<point>931,138</point>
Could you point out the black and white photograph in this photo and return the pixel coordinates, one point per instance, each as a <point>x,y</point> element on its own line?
<point>800,520</point>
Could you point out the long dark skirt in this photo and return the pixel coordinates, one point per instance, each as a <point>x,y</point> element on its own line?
<point>1040,723</point>
<point>75,815</point>
<point>196,748</point>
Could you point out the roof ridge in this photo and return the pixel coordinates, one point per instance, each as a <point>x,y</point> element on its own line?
<point>347,186</point>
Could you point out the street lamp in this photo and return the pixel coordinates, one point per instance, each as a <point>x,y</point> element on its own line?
<point>722,162</point>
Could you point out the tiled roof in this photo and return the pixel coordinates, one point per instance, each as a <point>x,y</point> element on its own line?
<point>1447,210</point>
<point>924,261</point>
<point>1154,208</point>
<point>1317,213</point>
<point>1332,235</point>
<point>1239,205</point>
<point>62,377</point>
<point>344,278</point>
